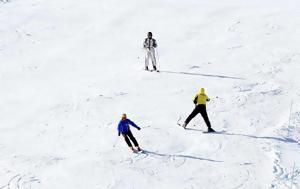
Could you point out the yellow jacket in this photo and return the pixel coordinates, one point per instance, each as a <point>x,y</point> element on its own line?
<point>201,97</point>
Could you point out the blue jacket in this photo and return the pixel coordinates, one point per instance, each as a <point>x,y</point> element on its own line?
<point>123,126</point>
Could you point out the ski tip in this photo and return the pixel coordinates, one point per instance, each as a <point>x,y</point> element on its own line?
<point>181,126</point>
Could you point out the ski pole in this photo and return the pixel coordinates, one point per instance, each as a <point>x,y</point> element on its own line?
<point>157,59</point>
<point>145,127</point>
<point>116,142</point>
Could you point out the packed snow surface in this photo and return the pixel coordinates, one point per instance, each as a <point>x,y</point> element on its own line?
<point>69,69</point>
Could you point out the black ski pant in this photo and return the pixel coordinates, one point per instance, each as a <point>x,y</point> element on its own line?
<point>128,135</point>
<point>201,108</point>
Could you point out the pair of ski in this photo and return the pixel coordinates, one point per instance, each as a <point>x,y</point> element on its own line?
<point>152,70</point>
<point>135,151</point>
<point>178,123</point>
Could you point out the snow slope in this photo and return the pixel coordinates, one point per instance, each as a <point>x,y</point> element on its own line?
<point>69,69</point>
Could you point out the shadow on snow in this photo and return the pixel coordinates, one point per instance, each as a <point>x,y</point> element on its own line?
<point>206,75</point>
<point>180,156</point>
<point>284,139</point>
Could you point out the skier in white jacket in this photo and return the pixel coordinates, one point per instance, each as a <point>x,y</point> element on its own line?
<point>149,45</point>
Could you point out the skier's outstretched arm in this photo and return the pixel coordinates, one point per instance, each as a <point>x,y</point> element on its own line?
<point>119,129</point>
<point>145,44</point>
<point>154,43</point>
<point>133,124</point>
<point>195,99</point>
<point>207,98</point>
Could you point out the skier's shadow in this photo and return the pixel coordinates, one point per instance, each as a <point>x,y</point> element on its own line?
<point>200,74</point>
<point>180,156</point>
<point>284,139</point>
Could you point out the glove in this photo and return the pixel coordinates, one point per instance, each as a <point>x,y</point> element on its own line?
<point>139,128</point>
<point>119,134</point>
<point>208,99</point>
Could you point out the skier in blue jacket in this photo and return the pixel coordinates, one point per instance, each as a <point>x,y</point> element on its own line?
<point>124,129</point>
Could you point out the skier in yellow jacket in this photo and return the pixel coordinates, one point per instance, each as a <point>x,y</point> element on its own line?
<point>200,101</point>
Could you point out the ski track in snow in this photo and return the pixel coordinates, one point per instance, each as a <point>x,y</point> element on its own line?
<point>22,182</point>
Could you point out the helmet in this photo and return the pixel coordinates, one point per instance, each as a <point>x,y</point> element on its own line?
<point>202,91</point>
<point>150,34</point>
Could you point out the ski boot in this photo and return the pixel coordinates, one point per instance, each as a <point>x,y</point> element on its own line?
<point>210,130</point>
<point>184,125</point>
<point>132,149</point>
<point>138,148</point>
<point>146,68</point>
<point>154,68</point>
